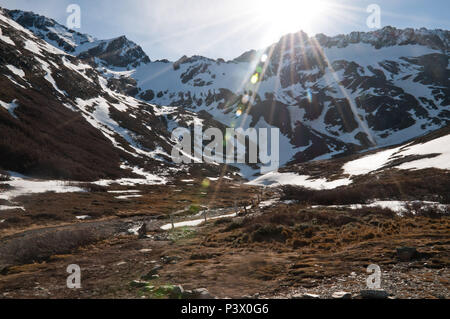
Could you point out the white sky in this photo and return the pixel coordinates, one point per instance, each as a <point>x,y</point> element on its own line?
<point>228,28</point>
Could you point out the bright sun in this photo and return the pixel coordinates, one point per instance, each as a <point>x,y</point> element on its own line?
<point>286,16</point>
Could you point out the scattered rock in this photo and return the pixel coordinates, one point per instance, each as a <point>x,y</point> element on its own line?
<point>305,296</point>
<point>407,253</point>
<point>342,295</point>
<point>177,292</point>
<point>187,294</point>
<point>144,251</point>
<point>83,217</point>
<point>200,293</point>
<point>374,294</point>
<point>160,237</point>
<point>170,259</point>
<point>138,283</point>
<point>149,288</point>
<point>142,231</point>
<point>154,271</point>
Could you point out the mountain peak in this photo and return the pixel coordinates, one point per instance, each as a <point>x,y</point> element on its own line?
<point>50,31</point>
<point>390,36</point>
<point>386,37</point>
<point>118,52</point>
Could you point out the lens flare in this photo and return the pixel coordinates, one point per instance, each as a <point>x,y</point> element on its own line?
<point>286,16</point>
<point>206,183</point>
<point>264,58</point>
<point>255,78</point>
<point>239,113</point>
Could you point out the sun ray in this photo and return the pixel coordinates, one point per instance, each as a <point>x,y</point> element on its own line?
<point>235,18</point>
<point>343,90</point>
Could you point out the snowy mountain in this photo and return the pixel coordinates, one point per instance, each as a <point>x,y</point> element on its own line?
<point>328,95</point>
<point>119,52</point>
<point>59,119</point>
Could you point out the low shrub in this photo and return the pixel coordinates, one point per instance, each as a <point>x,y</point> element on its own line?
<point>429,211</point>
<point>270,233</point>
<point>91,188</point>
<point>234,225</point>
<point>40,248</point>
<point>429,184</point>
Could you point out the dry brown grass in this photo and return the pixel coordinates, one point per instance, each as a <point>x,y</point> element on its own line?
<point>157,200</point>
<point>294,246</point>
<point>430,184</point>
<point>36,249</point>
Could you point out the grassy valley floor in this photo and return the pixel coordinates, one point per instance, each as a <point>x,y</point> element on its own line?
<point>278,249</point>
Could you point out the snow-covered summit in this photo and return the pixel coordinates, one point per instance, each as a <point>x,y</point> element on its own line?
<point>118,52</point>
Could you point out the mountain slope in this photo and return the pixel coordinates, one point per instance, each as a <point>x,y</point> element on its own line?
<point>118,52</point>
<point>58,118</point>
<point>428,157</point>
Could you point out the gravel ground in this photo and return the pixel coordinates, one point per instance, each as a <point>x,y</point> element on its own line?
<point>403,281</point>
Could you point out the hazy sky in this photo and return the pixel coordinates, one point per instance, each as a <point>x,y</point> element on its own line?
<point>227,28</point>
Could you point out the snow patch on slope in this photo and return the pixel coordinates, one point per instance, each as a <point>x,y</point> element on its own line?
<point>10,107</point>
<point>16,71</point>
<point>26,186</point>
<point>396,206</point>
<point>147,179</point>
<point>6,39</point>
<point>48,76</point>
<point>371,163</point>
<point>277,179</point>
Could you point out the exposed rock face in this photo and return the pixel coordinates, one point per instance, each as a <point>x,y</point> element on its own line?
<point>124,85</point>
<point>342,295</point>
<point>60,118</point>
<point>374,294</point>
<point>50,30</point>
<point>118,52</point>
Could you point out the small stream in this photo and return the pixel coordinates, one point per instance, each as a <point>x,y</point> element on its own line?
<point>195,222</point>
